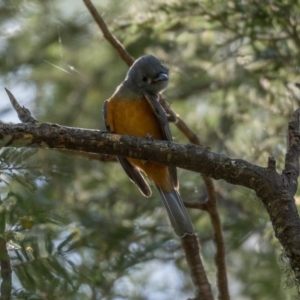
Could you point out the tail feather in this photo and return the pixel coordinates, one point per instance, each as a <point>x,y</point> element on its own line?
<point>177,213</point>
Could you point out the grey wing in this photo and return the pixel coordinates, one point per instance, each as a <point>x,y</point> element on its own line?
<point>104,111</point>
<point>135,176</point>
<point>160,114</point>
<point>163,121</point>
<point>132,172</point>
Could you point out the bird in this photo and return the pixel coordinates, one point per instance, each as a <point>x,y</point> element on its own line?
<point>134,109</point>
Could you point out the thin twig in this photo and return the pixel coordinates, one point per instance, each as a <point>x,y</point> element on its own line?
<point>180,124</point>
<point>212,210</point>
<point>26,117</point>
<point>92,156</point>
<point>23,113</point>
<point>197,205</point>
<point>190,244</point>
<point>271,163</point>
<point>128,59</point>
<point>291,170</point>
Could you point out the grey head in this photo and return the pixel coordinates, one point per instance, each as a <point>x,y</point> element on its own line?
<point>147,74</point>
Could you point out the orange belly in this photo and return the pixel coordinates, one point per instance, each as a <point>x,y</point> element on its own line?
<point>135,117</point>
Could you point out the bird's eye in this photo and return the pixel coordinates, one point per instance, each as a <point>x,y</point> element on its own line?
<point>144,78</point>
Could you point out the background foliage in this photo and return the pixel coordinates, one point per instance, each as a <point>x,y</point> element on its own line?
<point>77,228</point>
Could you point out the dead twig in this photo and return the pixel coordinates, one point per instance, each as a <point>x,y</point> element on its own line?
<point>23,113</point>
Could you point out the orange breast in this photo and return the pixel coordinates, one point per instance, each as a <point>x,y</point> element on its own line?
<point>135,117</point>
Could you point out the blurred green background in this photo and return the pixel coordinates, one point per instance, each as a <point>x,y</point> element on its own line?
<point>78,228</point>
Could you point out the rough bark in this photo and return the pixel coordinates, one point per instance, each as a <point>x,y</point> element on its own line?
<point>275,190</point>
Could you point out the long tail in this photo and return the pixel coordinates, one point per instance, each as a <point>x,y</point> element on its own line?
<point>178,216</point>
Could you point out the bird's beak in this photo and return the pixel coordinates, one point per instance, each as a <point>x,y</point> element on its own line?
<point>161,77</point>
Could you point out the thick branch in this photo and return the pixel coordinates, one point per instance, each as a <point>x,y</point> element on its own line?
<point>270,186</point>
<point>191,157</point>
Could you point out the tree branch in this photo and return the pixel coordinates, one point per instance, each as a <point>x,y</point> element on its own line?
<point>270,187</point>
<point>107,34</point>
<point>211,207</point>
<point>190,245</point>
<point>23,113</point>
<point>292,155</point>
<point>190,157</point>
